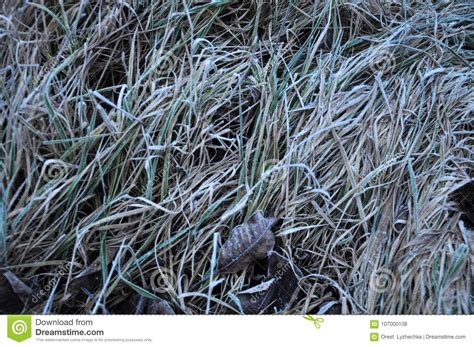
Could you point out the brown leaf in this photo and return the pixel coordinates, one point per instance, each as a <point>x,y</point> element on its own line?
<point>286,277</point>
<point>329,307</point>
<point>276,293</point>
<point>160,307</point>
<point>91,275</point>
<point>249,241</point>
<point>18,286</point>
<point>12,292</point>
<point>256,299</point>
<point>255,303</point>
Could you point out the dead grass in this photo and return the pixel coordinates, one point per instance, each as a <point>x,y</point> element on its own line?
<point>147,130</point>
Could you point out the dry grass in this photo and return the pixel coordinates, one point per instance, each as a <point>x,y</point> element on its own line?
<point>146,130</point>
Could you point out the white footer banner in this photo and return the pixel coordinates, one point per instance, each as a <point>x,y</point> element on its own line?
<point>364,330</point>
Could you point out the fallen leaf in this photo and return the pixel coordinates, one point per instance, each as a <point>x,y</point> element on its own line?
<point>256,303</point>
<point>329,307</point>
<point>131,305</point>
<point>160,307</point>
<point>10,301</point>
<point>18,286</point>
<point>286,277</point>
<point>259,288</point>
<point>248,242</point>
<point>276,293</point>
<point>91,274</point>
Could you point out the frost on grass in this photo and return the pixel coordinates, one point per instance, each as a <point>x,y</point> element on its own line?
<point>133,133</point>
<point>248,242</point>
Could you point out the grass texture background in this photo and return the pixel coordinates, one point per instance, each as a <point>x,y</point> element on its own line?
<point>136,134</point>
